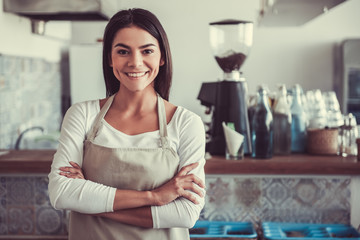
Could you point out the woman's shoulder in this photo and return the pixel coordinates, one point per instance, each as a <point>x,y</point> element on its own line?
<point>85,108</point>
<point>186,113</point>
<point>184,118</point>
<point>81,115</point>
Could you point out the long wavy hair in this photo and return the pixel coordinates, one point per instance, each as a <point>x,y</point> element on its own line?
<point>150,23</point>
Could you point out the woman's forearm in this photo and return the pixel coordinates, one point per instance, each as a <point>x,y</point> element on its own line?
<point>179,186</point>
<point>140,217</point>
<point>128,199</point>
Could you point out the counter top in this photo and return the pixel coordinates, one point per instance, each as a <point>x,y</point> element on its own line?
<point>39,161</point>
<point>298,164</point>
<point>26,161</point>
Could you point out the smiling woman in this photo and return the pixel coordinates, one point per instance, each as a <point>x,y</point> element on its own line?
<point>131,165</point>
<point>149,24</point>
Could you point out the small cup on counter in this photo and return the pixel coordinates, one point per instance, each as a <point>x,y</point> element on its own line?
<point>234,142</point>
<point>235,155</point>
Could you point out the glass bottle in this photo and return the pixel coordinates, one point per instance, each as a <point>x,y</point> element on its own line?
<point>262,127</point>
<point>298,123</point>
<point>347,136</point>
<point>282,123</point>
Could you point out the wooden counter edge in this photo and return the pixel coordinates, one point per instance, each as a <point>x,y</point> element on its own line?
<point>26,162</point>
<point>295,164</point>
<point>39,162</point>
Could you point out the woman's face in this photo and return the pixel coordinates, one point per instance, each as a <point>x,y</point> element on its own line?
<point>135,58</point>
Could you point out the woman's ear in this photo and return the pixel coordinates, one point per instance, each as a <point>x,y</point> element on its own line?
<point>162,62</point>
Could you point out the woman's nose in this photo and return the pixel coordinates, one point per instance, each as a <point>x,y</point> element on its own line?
<point>135,60</point>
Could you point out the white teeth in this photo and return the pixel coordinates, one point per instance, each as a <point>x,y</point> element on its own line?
<point>136,74</point>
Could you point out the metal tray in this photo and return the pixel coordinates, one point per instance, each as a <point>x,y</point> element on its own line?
<point>300,231</point>
<point>221,229</point>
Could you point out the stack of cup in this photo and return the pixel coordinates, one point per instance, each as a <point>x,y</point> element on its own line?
<point>334,116</point>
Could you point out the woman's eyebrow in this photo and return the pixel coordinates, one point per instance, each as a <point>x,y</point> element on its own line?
<point>121,45</point>
<point>148,45</point>
<point>141,47</point>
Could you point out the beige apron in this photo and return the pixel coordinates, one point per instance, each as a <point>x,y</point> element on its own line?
<point>126,168</point>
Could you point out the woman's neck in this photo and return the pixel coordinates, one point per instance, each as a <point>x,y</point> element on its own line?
<point>135,102</point>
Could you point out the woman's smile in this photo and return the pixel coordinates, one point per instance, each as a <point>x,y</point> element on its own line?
<point>136,74</point>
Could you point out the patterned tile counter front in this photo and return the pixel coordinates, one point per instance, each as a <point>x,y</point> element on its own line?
<point>277,199</point>
<point>25,209</point>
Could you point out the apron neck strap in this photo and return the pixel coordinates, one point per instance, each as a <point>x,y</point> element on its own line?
<point>162,122</point>
<point>99,117</point>
<point>161,115</point>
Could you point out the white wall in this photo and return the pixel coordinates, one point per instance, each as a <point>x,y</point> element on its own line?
<point>279,55</point>
<point>16,37</point>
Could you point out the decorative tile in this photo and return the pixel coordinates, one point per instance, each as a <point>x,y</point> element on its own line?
<point>21,220</point>
<point>277,191</point>
<point>307,193</point>
<point>1,65</point>
<point>3,221</point>
<point>302,215</point>
<point>335,215</point>
<point>20,191</point>
<point>41,191</point>
<point>2,192</point>
<point>247,192</point>
<point>25,207</point>
<point>218,214</point>
<point>32,89</point>
<point>10,65</point>
<point>246,215</point>
<point>218,191</point>
<point>242,198</point>
<point>49,221</point>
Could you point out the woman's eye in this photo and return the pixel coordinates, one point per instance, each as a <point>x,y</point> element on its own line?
<point>122,52</point>
<point>148,51</point>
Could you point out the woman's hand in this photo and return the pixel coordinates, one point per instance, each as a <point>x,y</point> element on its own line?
<point>178,186</point>
<point>72,172</point>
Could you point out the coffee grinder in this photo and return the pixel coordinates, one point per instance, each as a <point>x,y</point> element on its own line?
<point>226,99</point>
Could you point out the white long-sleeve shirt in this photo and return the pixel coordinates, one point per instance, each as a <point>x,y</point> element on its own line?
<point>186,136</point>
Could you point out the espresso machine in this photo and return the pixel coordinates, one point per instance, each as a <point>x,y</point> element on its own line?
<point>226,99</point>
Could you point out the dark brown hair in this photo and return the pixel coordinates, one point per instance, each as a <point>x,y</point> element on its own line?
<point>149,22</point>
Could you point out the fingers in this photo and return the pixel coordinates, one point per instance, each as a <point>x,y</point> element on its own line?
<point>190,187</point>
<point>72,172</point>
<point>191,183</point>
<point>72,175</point>
<point>194,188</point>
<point>185,170</point>
<point>191,191</point>
<point>74,164</point>
<point>69,169</point>
<point>194,179</point>
<point>190,197</point>
<point>198,181</point>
